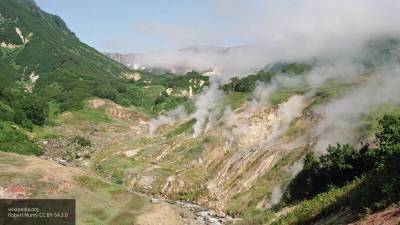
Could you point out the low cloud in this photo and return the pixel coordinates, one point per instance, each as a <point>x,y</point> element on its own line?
<point>273,32</point>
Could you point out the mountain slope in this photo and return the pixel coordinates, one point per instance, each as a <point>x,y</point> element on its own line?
<point>39,50</point>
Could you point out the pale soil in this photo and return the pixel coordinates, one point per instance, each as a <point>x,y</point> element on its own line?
<point>52,173</point>
<point>160,214</point>
<point>390,216</point>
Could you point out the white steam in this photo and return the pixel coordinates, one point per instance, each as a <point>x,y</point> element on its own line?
<point>277,191</point>
<point>287,112</point>
<point>208,108</point>
<point>276,196</point>
<point>341,117</point>
<point>167,118</point>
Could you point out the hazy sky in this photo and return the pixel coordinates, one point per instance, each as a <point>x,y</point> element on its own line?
<point>153,25</point>
<point>275,29</point>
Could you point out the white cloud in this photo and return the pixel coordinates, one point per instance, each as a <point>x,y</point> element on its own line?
<point>288,30</point>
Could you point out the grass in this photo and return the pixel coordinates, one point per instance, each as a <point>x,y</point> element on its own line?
<point>97,202</point>
<point>282,95</point>
<point>302,213</point>
<point>91,115</point>
<point>256,216</point>
<point>13,139</point>
<point>370,120</point>
<point>71,71</point>
<point>236,99</point>
<point>334,89</point>
<point>309,209</point>
<point>115,167</point>
<point>183,128</point>
<point>121,207</point>
<point>46,132</point>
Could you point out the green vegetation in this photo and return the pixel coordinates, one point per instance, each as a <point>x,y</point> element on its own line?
<point>377,168</point>
<point>22,108</point>
<point>13,139</point>
<point>236,99</point>
<point>303,213</point>
<point>98,201</point>
<point>157,99</point>
<point>181,129</point>
<point>296,68</point>
<point>341,165</point>
<point>364,180</point>
<point>248,83</point>
<point>309,211</point>
<point>82,141</point>
<point>69,72</point>
<point>282,95</point>
<point>245,203</point>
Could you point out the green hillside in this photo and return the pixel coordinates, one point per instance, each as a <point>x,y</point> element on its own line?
<point>45,69</point>
<point>42,44</point>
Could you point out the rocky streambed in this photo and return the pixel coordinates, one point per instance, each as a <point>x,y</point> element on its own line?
<point>197,215</point>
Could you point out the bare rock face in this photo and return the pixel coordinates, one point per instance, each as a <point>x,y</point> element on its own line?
<point>96,103</point>
<point>173,185</point>
<point>256,142</point>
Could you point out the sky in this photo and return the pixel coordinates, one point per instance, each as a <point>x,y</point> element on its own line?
<point>264,31</point>
<point>156,25</point>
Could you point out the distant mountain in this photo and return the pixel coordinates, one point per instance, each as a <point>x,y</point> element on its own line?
<point>210,60</point>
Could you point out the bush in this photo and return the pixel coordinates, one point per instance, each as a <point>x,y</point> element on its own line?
<point>383,183</point>
<point>296,68</point>
<point>6,112</point>
<point>82,141</point>
<point>379,166</point>
<point>106,92</point>
<point>35,109</point>
<point>71,100</point>
<point>13,140</point>
<point>247,84</point>
<point>341,165</point>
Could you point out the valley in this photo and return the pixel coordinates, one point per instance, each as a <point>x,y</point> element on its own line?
<point>298,136</point>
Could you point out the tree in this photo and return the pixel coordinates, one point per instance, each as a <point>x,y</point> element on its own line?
<point>340,165</point>
<point>35,109</point>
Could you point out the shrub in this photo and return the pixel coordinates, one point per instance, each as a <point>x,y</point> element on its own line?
<point>13,140</point>
<point>35,109</point>
<point>379,166</point>
<point>82,141</point>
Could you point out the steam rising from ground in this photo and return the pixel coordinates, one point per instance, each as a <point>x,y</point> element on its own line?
<point>276,196</point>
<point>333,32</point>
<point>277,191</point>
<point>287,112</point>
<point>167,118</point>
<point>208,108</point>
<point>342,117</point>
<point>331,35</point>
